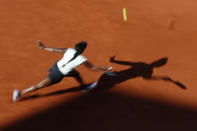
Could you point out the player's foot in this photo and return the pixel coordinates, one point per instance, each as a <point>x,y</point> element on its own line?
<point>90,87</point>
<point>16,95</point>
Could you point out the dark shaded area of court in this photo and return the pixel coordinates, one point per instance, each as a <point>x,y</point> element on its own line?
<point>105,111</point>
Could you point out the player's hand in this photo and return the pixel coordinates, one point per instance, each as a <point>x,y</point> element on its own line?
<point>112,59</point>
<point>107,69</point>
<point>41,45</point>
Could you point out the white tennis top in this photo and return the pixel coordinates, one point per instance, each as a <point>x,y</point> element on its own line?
<point>65,66</point>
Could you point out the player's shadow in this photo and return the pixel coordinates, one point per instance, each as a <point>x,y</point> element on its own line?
<point>59,92</point>
<point>137,69</point>
<point>109,79</point>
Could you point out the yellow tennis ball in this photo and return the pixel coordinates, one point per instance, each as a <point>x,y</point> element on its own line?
<point>124,14</point>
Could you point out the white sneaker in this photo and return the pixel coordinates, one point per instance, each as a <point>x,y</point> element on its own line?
<point>16,95</point>
<point>90,87</point>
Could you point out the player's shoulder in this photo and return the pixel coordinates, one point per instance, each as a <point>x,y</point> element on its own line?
<point>70,50</point>
<point>83,57</point>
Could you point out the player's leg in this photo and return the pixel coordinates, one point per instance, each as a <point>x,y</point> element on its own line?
<point>77,76</point>
<point>54,77</point>
<point>44,83</point>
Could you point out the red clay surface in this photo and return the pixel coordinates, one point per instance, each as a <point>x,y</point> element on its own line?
<point>155,29</point>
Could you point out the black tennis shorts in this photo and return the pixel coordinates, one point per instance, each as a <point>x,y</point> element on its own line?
<point>55,75</point>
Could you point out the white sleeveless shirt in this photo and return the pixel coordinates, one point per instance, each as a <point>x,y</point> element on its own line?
<point>65,66</point>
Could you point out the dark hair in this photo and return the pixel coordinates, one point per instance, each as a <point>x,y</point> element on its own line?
<point>80,47</point>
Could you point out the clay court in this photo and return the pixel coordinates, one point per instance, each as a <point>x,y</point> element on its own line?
<point>154,29</point>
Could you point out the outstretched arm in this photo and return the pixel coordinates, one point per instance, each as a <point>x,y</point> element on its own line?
<point>112,59</point>
<point>97,68</point>
<point>52,49</point>
<point>166,78</point>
